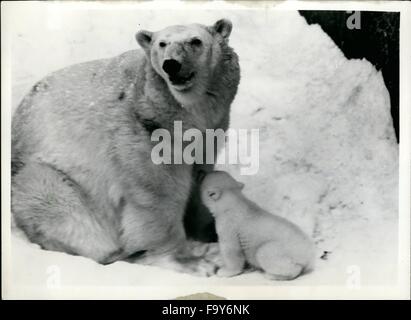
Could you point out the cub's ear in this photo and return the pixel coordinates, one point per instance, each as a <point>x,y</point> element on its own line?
<point>214,193</point>
<point>200,176</point>
<point>144,38</point>
<point>240,185</point>
<point>223,27</point>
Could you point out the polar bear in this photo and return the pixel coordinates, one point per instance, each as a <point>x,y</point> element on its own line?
<point>83,181</point>
<point>250,234</point>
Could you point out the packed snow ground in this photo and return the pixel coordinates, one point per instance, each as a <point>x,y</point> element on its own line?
<point>328,155</point>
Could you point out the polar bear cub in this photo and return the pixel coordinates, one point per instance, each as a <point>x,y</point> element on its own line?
<point>247,233</point>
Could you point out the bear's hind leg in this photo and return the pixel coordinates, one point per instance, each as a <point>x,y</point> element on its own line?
<point>53,212</point>
<point>276,263</point>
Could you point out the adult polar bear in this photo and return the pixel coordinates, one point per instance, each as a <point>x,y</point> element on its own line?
<point>83,181</point>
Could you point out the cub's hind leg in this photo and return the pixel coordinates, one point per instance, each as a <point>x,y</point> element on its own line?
<point>55,213</point>
<point>277,263</point>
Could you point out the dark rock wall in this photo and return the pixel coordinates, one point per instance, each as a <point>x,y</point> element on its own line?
<point>377,40</point>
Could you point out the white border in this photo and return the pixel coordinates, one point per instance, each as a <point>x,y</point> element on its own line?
<point>401,291</point>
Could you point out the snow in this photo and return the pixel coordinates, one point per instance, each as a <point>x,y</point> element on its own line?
<point>328,155</point>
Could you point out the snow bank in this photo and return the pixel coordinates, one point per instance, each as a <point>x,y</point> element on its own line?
<point>328,155</point>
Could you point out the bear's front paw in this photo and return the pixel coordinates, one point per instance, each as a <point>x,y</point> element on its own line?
<point>196,266</point>
<point>197,259</point>
<point>225,272</point>
<point>208,251</point>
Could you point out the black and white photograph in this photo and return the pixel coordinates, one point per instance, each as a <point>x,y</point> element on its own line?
<point>235,150</point>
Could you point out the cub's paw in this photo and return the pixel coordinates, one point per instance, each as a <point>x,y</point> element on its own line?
<point>225,272</point>
<point>279,277</point>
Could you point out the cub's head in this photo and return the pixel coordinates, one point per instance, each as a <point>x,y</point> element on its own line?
<point>214,186</point>
<point>185,55</point>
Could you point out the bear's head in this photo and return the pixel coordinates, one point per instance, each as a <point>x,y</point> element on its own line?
<point>185,56</point>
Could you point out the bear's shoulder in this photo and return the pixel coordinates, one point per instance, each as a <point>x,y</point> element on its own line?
<point>124,66</point>
<point>100,79</point>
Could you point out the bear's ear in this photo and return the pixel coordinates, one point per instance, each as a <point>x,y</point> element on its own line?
<point>223,27</point>
<point>214,193</point>
<point>144,38</point>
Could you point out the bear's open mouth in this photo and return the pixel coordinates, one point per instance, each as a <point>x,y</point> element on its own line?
<point>181,80</point>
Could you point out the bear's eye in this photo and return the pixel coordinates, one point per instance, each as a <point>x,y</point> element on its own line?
<point>162,44</point>
<point>196,42</point>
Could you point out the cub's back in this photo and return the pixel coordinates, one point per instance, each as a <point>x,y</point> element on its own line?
<point>263,227</point>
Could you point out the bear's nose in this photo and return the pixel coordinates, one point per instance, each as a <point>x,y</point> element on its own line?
<point>171,66</point>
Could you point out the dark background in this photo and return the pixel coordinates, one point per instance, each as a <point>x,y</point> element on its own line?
<point>377,41</point>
